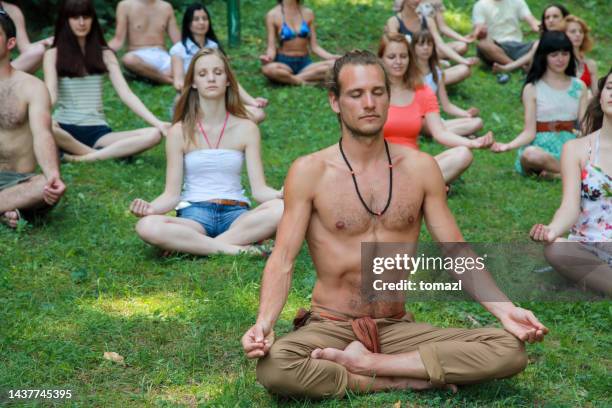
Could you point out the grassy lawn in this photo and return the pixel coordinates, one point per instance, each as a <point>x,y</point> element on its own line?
<point>81,283</point>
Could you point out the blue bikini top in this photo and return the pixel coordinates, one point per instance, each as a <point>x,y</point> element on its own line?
<point>287,33</point>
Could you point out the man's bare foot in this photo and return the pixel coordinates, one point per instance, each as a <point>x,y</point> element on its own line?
<point>10,218</point>
<point>355,357</point>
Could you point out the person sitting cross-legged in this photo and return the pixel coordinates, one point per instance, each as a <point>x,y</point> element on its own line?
<point>553,99</point>
<point>585,256</point>
<point>326,354</point>
<point>74,73</point>
<point>145,23</point>
<point>30,54</point>
<point>290,63</point>
<point>205,150</point>
<point>25,139</point>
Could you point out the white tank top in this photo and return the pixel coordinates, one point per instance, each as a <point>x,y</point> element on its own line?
<point>557,105</point>
<point>211,174</point>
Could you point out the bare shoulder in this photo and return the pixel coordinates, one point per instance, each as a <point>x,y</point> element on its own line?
<point>124,5</point>
<point>175,135</point>
<point>392,21</point>
<point>176,131</point>
<point>529,91</point>
<point>166,7</point>
<point>309,168</point>
<point>592,64</point>
<point>29,87</point>
<point>246,128</point>
<point>273,13</point>
<point>308,13</point>
<point>578,148</point>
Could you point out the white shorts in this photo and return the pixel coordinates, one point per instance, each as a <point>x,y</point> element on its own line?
<point>156,57</point>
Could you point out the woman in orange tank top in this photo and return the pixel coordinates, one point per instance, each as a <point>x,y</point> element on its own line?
<point>412,102</point>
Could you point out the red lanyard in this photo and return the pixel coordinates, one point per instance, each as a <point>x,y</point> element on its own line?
<point>220,134</point>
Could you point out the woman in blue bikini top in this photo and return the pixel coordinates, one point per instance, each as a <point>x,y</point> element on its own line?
<point>288,61</point>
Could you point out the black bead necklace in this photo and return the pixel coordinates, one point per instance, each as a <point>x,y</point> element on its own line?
<point>357,187</point>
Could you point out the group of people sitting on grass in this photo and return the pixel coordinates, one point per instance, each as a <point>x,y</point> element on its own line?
<point>383,104</point>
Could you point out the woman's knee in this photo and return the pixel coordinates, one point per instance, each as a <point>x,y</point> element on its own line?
<point>269,71</point>
<point>461,48</point>
<point>477,123</point>
<point>464,156</point>
<point>154,136</point>
<point>149,229</point>
<point>131,61</point>
<point>531,156</point>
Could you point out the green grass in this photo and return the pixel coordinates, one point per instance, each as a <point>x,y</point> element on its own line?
<point>81,283</point>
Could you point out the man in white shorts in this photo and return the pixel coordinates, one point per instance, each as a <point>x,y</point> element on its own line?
<point>145,23</point>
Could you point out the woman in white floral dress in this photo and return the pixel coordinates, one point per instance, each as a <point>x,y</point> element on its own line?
<point>586,208</point>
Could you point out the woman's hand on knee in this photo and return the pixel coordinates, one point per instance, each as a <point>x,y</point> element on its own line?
<point>141,208</point>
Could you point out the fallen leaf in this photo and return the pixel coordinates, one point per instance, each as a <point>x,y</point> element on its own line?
<point>398,404</point>
<point>114,357</point>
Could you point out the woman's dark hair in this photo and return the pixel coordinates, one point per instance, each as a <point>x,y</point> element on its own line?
<point>564,13</point>
<point>551,41</point>
<point>593,117</point>
<point>425,37</point>
<point>186,29</point>
<point>71,61</point>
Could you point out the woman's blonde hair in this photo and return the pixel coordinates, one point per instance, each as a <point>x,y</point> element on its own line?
<point>412,77</point>
<point>188,105</point>
<point>587,41</point>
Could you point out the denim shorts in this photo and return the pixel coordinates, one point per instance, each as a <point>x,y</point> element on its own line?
<point>215,218</point>
<point>296,64</point>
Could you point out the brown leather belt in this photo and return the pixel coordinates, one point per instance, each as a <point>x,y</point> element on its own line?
<point>228,202</point>
<point>557,126</point>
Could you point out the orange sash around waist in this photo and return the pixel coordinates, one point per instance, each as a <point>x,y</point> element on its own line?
<point>365,328</point>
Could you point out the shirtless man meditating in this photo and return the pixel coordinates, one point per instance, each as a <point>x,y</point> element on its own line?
<point>323,357</point>
<point>25,138</point>
<point>145,22</point>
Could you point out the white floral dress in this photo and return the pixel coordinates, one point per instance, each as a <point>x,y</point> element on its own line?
<point>595,221</point>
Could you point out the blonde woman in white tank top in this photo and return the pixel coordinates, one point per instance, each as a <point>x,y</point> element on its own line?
<point>205,150</point>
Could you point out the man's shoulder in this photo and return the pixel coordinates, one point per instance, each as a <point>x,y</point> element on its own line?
<point>313,165</point>
<point>27,82</point>
<point>165,6</point>
<point>409,159</point>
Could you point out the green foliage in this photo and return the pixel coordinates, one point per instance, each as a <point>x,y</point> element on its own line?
<point>81,282</point>
<point>41,14</point>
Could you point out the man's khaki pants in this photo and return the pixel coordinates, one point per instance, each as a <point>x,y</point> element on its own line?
<point>450,356</point>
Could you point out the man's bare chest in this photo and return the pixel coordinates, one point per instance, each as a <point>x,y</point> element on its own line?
<point>340,207</point>
<point>12,110</point>
<point>148,21</point>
